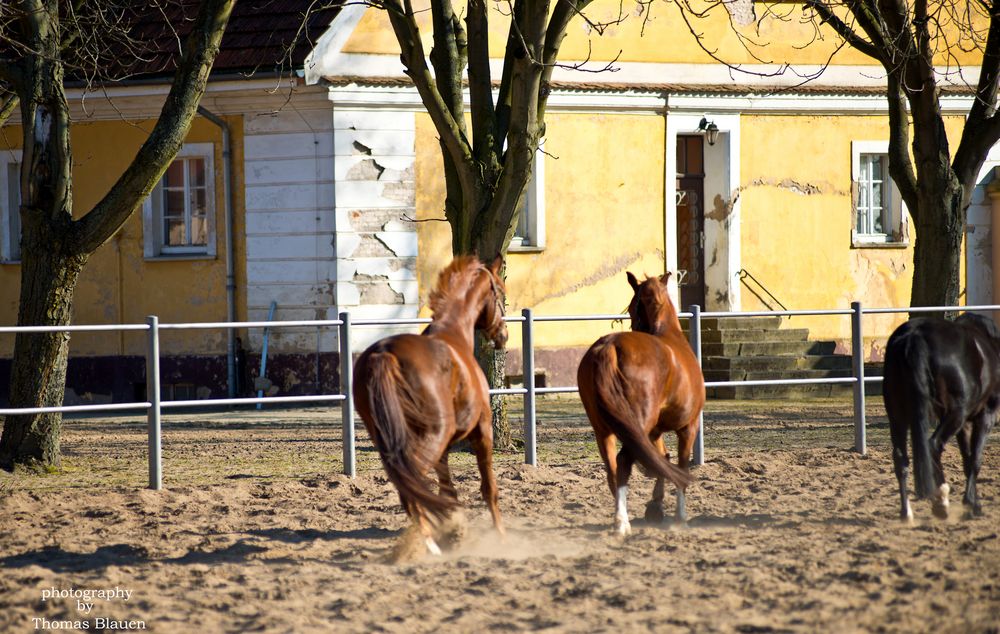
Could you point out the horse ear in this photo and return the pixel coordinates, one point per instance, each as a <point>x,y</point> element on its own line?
<point>634,283</point>
<point>665,278</point>
<point>496,264</point>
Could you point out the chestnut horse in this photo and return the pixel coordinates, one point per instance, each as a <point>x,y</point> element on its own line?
<point>419,394</point>
<point>638,385</point>
<point>949,371</point>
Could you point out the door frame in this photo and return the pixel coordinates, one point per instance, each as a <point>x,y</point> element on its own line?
<point>721,206</point>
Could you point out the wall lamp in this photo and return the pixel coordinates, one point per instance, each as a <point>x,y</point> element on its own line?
<point>710,129</point>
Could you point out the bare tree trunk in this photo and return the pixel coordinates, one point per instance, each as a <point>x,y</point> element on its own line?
<point>938,247</point>
<point>492,362</point>
<point>38,374</point>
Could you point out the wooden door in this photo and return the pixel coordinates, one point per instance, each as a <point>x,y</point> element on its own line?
<point>691,219</point>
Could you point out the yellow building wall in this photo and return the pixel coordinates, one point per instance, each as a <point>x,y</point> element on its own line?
<point>604,215</point>
<point>118,285</point>
<point>638,33</point>
<point>797,218</point>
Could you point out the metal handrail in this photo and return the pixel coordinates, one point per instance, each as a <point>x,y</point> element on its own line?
<point>744,274</point>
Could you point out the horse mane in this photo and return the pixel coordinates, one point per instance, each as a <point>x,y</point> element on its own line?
<point>454,282</point>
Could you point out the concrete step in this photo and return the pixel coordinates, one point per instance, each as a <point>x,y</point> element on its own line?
<point>789,391</point>
<point>739,323</point>
<point>779,363</point>
<point>767,348</point>
<point>765,375</point>
<point>740,335</point>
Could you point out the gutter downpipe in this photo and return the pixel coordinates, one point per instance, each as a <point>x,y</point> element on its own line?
<point>227,192</point>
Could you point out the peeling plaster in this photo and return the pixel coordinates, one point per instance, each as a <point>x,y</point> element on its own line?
<point>605,272</point>
<point>361,148</point>
<point>366,170</point>
<point>792,185</point>
<point>371,247</point>
<point>721,210</point>
<point>376,289</point>
<point>371,220</point>
<point>404,191</point>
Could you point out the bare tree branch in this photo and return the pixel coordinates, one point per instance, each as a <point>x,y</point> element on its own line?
<point>982,127</point>
<point>167,135</point>
<point>8,103</point>
<point>900,165</point>
<point>842,29</point>
<point>485,141</point>
<point>412,55</point>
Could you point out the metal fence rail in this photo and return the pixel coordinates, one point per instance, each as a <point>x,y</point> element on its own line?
<point>154,405</point>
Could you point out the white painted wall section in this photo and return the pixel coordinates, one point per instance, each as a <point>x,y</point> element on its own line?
<point>290,225</point>
<point>375,193</point>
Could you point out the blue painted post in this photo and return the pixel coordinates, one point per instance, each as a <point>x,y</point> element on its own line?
<point>263,353</point>
<point>858,367</point>
<point>346,387</point>
<point>528,363</point>
<point>694,335</point>
<point>153,396</point>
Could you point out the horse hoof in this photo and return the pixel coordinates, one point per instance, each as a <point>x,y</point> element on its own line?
<point>623,529</point>
<point>452,531</point>
<point>432,547</point>
<point>407,549</point>
<point>654,513</point>
<point>940,510</point>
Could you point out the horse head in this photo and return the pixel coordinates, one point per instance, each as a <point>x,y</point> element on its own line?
<point>651,309</point>
<point>491,315</point>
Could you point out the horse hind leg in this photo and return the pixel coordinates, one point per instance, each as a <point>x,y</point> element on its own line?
<point>971,442</point>
<point>482,445</point>
<point>901,466</point>
<point>453,528</point>
<point>950,425</point>
<point>905,409</point>
<point>686,437</point>
<point>654,508</point>
<point>625,460</point>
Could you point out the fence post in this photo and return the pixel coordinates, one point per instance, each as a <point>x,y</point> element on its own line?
<point>153,396</point>
<point>347,387</point>
<point>694,334</point>
<point>858,370</point>
<point>528,368</point>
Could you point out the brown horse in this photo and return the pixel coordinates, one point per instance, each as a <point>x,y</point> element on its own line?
<point>637,385</point>
<point>419,394</point>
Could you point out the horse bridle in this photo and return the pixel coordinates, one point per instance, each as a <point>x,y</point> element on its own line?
<point>499,297</point>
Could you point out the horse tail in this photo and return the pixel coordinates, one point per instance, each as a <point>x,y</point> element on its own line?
<point>389,403</point>
<point>910,380</point>
<point>624,416</point>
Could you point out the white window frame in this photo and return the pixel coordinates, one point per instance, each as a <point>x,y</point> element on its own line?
<point>152,212</point>
<point>894,215</point>
<point>530,232</point>
<point>10,215</point>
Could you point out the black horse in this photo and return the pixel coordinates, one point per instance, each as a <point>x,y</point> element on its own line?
<point>949,370</point>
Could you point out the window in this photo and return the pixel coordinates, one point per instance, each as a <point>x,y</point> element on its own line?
<point>529,235</point>
<point>10,203</point>
<point>179,215</point>
<point>879,214</point>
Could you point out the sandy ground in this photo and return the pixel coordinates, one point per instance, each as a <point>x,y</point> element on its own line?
<point>256,531</point>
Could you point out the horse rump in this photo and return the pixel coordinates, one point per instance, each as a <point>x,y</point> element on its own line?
<point>623,415</point>
<point>391,407</point>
